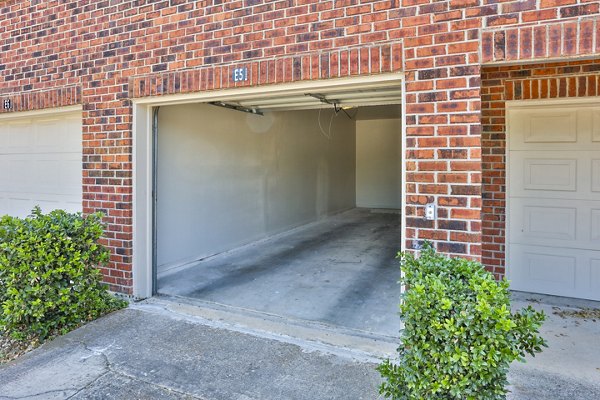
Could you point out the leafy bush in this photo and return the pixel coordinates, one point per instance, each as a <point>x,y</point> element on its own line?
<point>460,335</point>
<point>49,281</point>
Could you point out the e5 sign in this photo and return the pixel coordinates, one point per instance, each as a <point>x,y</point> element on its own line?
<point>240,74</point>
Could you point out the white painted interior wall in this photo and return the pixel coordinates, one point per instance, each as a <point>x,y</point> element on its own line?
<point>226,178</point>
<point>378,163</point>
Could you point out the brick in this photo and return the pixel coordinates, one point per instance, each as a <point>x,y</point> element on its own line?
<point>499,45</point>
<point>569,39</point>
<point>586,37</point>
<point>519,6</point>
<point>464,213</point>
<point>189,49</point>
<point>575,11</point>
<point>502,20</point>
<point>540,42</point>
<point>526,43</point>
<point>452,83</point>
<point>555,3</point>
<point>554,40</point>
<point>452,248</point>
<point>597,37</point>
<point>454,225</point>
<point>540,15</point>
<point>487,44</point>
<point>512,44</point>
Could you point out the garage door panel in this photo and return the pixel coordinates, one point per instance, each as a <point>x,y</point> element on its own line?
<point>19,207</point>
<point>21,204</point>
<point>20,136</point>
<point>553,222</point>
<point>543,271</point>
<point>550,174</point>
<point>596,125</point>
<point>595,175</point>
<point>550,126</point>
<point>56,202</point>
<point>41,135</point>
<point>595,226</point>
<point>554,200</point>
<point>40,164</point>
<point>561,272</point>
<point>48,173</point>
<point>595,275</point>
<point>550,222</point>
<point>20,174</point>
<point>55,135</point>
<point>71,174</point>
<point>43,173</point>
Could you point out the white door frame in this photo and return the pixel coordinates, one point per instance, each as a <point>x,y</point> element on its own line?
<point>143,155</point>
<point>519,105</point>
<point>39,113</point>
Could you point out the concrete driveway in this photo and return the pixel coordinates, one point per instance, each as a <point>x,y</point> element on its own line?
<point>162,349</point>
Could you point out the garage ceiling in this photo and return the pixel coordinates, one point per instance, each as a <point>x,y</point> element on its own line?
<point>368,94</point>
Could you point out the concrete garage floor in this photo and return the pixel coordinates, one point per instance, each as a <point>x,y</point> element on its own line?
<point>340,271</point>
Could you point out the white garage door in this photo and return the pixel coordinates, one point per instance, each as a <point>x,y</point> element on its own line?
<point>554,199</point>
<point>40,163</point>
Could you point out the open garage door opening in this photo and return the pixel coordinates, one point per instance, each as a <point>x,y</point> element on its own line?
<point>286,206</point>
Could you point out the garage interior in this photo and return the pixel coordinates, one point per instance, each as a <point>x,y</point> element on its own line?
<point>288,206</point>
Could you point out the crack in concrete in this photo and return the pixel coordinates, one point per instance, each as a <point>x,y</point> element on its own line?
<point>89,384</point>
<point>36,394</point>
<point>111,369</point>
<point>94,353</point>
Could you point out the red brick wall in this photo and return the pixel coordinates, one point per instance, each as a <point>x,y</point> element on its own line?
<point>518,82</point>
<point>115,50</point>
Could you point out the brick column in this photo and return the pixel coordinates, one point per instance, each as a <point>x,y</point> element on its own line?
<point>443,128</point>
<point>107,173</point>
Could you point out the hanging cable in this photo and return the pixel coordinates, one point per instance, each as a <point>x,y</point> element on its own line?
<point>325,134</point>
<point>335,103</point>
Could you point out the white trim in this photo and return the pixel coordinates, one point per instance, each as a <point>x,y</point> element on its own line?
<point>403,169</point>
<point>142,201</point>
<point>142,154</point>
<point>37,113</point>
<point>520,105</point>
<point>508,106</point>
<point>503,63</point>
<point>403,177</point>
<point>573,101</point>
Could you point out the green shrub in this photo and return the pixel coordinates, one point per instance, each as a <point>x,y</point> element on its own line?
<point>460,335</point>
<point>49,280</point>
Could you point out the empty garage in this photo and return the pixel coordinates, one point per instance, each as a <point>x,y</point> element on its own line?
<point>287,206</point>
